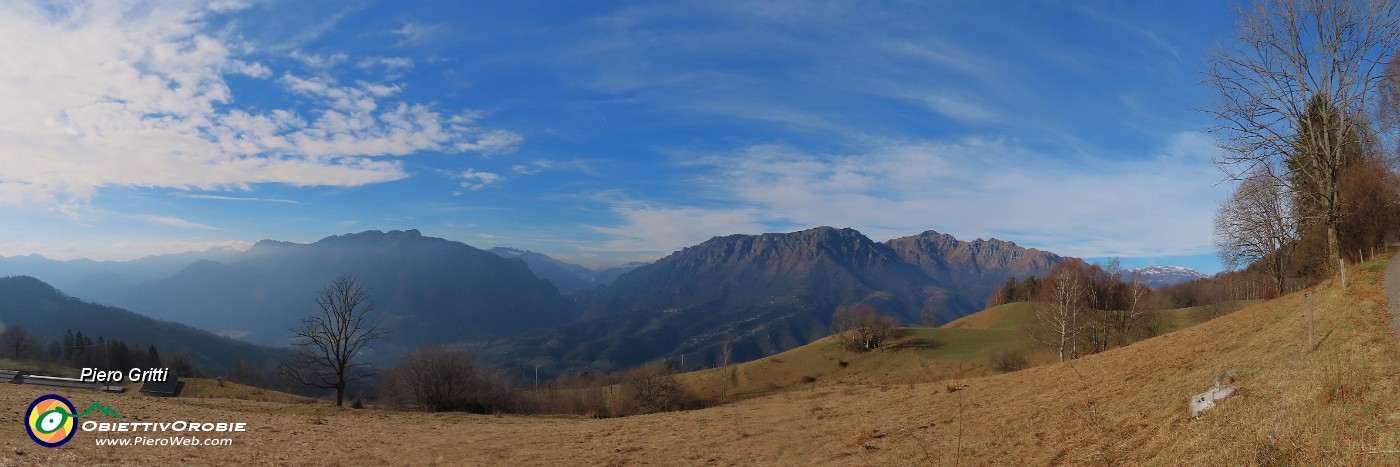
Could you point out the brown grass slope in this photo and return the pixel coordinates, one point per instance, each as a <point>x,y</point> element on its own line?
<point>959,349</point>
<point>912,355</point>
<point>1336,404</point>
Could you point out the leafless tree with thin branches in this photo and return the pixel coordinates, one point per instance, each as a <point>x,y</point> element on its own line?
<point>1058,315</point>
<point>329,343</point>
<point>1291,55</point>
<point>1135,316</point>
<point>17,342</point>
<point>1256,225</point>
<point>862,327</point>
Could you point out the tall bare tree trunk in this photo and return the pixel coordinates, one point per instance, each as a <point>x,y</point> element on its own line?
<point>1334,251</point>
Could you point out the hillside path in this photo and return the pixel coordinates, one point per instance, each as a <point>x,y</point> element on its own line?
<point>1392,290</point>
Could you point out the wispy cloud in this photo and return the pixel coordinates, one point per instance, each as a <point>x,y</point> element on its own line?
<point>1158,206</point>
<point>663,229</point>
<point>473,180</point>
<point>1143,34</point>
<point>387,63</point>
<point>319,61</point>
<point>103,112</point>
<point>392,67</point>
<point>545,165</point>
<point>173,222</point>
<point>411,33</point>
<point>182,194</point>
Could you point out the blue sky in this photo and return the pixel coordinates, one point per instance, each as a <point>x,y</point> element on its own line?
<point>606,132</point>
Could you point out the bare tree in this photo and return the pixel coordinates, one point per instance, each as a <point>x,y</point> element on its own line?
<point>1256,226</point>
<point>245,372</point>
<point>18,342</point>
<point>861,327</point>
<point>329,343</point>
<point>1134,317</point>
<point>1058,313</point>
<point>929,316</point>
<point>726,375</point>
<point>1296,86</point>
<point>181,365</point>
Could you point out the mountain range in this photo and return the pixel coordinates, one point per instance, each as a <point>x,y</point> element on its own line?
<point>753,295</point>
<point>105,281</point>
<point>1162,276</point>
<point>749,296</point>
<point>567,277</point>
<point>427,290</point>
<point>47,313</point>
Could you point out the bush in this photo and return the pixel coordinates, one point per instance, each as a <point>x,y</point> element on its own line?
<point>441,380</point>
<point>1006,361</point>
<point>651,388</point>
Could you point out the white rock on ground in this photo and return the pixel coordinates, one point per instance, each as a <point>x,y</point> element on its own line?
<point>1204,401</point>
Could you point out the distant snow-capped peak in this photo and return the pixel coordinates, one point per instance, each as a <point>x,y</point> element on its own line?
<point>1162,276</point>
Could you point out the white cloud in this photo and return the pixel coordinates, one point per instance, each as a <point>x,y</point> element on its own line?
<point>231,198</point>
<point>473,180</point>
<point>121,96</point>
<point>965,110</point>
<point>1160,206</point>
<point>253,69</point>
<point>319,61</point>
<point>173,222</point>
<point>544,165</point>
<point>414,33</point>
<point>663,229</point>
<point>388,63</point>
<point>225,6</point>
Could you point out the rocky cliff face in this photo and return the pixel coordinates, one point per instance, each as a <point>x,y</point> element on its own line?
<point>974,268</point>
<point>835,265</point>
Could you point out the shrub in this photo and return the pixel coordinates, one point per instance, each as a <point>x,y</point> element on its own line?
<point>440,380</point>
<point>651,388</point>
<point>1006,361</point>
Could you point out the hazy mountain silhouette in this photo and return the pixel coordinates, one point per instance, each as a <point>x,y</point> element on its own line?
<point>567,277</point>
<point>427,290</point>
<point>609,274</point>
<point>105,281</point>
<point>44,311</point>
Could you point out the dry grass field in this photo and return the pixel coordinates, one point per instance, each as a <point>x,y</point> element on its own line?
<point>959,349</point>
<point>1335,404</point>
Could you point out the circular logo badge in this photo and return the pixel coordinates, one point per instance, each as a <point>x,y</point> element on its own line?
<point>49,421</point>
